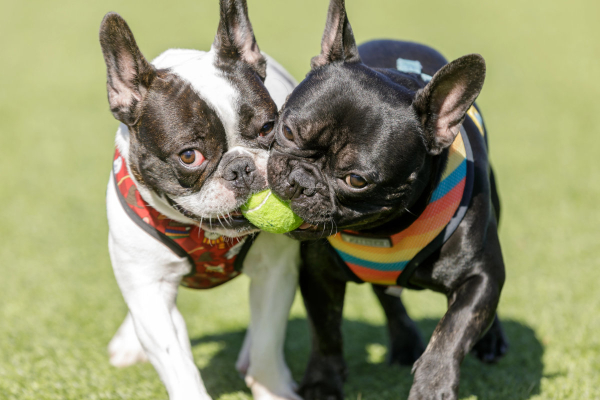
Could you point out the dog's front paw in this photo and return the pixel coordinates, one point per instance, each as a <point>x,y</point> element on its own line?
<point>283,392</point>
<point>435,379</point>
<point>493,345</point>
<point>124,348</point>
<point>324,379</point>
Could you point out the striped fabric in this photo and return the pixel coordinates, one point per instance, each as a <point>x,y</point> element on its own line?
<point>477,120</point>
<point>381,261</point>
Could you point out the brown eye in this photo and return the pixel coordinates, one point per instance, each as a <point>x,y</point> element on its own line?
<point>356,181</point>
<point>191,158</point>
<point>287,132</point>
<point>266,129</point>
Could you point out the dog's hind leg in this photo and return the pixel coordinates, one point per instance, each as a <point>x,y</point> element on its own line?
<point>493,345</point>
<point>125,348</point>
<point>243,361</point>
<point>406,344</point>
<point>272,265</point>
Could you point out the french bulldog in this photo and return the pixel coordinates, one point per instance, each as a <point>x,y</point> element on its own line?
<point>381,145</point>
<point>192,147</point>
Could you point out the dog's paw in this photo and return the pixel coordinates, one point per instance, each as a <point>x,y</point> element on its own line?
<point>493,345</point>
<point>125,349</point>
<point>324,379</point>
<point>261,392</point>
<point>124,354</point>
<point>321,391</point>
<point>436,378</point>
<point>429,394</point>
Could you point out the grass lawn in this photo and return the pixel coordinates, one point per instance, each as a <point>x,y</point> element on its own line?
<point>59,303</point>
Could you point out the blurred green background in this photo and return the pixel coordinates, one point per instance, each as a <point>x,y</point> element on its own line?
<point>59,303</point>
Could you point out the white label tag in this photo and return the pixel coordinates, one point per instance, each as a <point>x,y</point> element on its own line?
<point>367,241</point>
<point>394,291</point>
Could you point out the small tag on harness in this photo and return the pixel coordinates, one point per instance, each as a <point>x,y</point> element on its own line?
<point>366,241</point>
<point>394,291</point>
<point>412,67</point>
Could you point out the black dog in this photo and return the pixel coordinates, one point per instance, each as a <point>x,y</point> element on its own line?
<point>396,161</point>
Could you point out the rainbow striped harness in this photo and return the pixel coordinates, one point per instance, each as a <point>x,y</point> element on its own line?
<point>391,260</point>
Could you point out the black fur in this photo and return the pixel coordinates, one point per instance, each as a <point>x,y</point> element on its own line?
<point>242,63</point>
<point>364,117</point>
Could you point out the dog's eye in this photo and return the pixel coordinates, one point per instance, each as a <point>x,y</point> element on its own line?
<point>266,129</point>
<point>356,181</point>
<point>191,158</point>
<point>287,132</point>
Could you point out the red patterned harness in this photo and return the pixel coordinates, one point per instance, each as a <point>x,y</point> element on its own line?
<point>215,259</point>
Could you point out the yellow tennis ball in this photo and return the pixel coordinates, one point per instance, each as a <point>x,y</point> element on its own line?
<point>267,212</point>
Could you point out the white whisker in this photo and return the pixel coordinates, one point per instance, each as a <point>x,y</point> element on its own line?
<point>410,212</point>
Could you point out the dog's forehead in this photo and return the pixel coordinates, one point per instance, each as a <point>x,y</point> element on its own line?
<point>198,69</point>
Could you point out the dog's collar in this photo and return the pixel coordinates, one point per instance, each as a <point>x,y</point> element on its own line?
<point>390,260</point>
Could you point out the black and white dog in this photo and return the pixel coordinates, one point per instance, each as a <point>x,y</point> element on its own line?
<point>191,148</point>
<point>383,144</point>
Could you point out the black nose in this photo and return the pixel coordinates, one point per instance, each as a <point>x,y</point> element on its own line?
<point>302,182</point>
<point>240,170</point>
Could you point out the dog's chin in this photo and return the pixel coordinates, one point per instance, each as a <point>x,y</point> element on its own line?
<point>313,230</point>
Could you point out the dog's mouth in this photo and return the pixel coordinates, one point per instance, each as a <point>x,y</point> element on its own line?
<point>232,220</point>
<point>306,226</point>
<point>310,231</point>
<point>235,215</point>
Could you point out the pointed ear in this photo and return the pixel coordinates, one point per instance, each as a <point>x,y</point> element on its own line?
<point>128,73</point>
<point>338,42</point>
<point>235,37</point>
<point>443,103</point>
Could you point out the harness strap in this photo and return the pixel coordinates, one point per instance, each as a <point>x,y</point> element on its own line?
<point>213,259</point>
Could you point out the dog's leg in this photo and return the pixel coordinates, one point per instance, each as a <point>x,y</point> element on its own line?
<point>493,345</point>
<point>406,344</point>
<point>149,275</point>
<point>471,310</point>
<point>323,293</point>
<point>125,348</point>
<point>243,361</point>
<point>272,264</point>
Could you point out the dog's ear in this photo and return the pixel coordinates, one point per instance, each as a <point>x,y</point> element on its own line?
<point>338,42</point>
<point>443,103</point>
<point>128,73</point>
<point>235,37</point>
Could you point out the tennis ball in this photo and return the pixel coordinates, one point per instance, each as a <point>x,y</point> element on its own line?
<point>267,212</point>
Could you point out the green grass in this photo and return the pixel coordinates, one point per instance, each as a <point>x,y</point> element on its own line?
<point>59,304</point>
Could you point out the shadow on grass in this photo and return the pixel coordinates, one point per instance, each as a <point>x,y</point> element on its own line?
<point>517,376</point>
